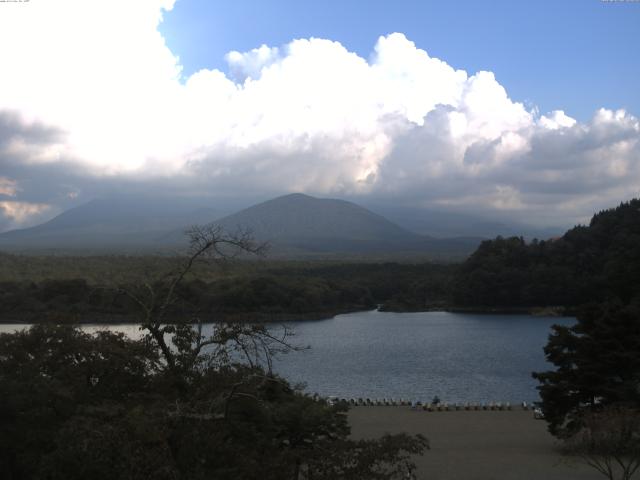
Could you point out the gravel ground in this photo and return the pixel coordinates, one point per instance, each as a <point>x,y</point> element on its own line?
<point>475,445</point>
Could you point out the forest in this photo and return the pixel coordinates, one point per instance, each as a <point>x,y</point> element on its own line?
<point>588,263</point>
<point>34,289</point>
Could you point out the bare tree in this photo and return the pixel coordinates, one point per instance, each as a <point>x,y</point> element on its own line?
<point>157,302</point>
<point>609,441</point>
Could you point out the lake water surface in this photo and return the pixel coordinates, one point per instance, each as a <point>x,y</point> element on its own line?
<point>458,357</point>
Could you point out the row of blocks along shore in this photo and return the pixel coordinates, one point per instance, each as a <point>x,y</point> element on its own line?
<point>430,407</point>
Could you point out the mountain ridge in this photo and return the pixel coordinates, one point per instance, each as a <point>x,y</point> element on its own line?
<point>294,224</point>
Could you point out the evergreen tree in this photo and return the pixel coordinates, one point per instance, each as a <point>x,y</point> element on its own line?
<point>597,364</point>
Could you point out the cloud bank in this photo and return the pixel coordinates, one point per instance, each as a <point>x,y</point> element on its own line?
<point>92,100</point>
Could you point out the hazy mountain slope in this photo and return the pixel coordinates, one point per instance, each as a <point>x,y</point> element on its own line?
<point>442,224</point>
<point>298,215</point>
<point>303,223</point>
<point>112,222</point>
<point>294,225</point>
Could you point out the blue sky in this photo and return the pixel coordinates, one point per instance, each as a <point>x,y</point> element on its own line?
<point>575,55</point>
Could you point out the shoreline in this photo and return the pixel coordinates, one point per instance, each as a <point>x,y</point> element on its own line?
<point>281,317</point>
<point>115,319</point>
<point>536,311</point>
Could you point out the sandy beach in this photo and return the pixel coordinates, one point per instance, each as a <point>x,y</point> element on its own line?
<point>475,445</point>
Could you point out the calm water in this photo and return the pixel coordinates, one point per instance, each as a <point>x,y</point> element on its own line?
<point>459,357</point>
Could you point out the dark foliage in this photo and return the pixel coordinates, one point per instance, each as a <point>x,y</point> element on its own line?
<point>76,406</point>
<point>597,365</point>
<point>176,404</point>
<point>271,292</point>
<point>586,264</point>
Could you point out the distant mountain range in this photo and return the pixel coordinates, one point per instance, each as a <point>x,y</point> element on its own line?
<point>443,224</point>
<point>128,223</point>
<point>295,225</point>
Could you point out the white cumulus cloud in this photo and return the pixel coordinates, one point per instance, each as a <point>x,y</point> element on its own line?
<point>243,65</point>
<point>307,116</point>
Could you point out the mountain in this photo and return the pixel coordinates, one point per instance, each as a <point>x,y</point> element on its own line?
<point>130,223</point>
<point>295,225</point>
<point>442,224</point>
<point>298,223</point>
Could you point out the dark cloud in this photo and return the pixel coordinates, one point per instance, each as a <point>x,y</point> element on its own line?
<point>14,129</point>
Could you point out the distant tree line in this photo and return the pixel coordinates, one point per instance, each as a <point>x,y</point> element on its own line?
<point>264,295</point>
<point>275,293</point>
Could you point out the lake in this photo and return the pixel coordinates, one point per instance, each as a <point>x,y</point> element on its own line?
<point>458,357</point>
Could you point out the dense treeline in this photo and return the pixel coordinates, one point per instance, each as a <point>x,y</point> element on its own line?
<point>588,263</point>
<point>264,292</point>
<point>394,286</point>
<point>265,297</point>
<point>591,398</point>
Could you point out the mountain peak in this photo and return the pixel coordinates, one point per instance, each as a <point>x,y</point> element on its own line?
<point>296,196</point>
<point>293,224</point>
<point>320,224</point>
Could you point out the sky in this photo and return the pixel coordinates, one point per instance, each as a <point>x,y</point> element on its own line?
<point>522,110</point>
